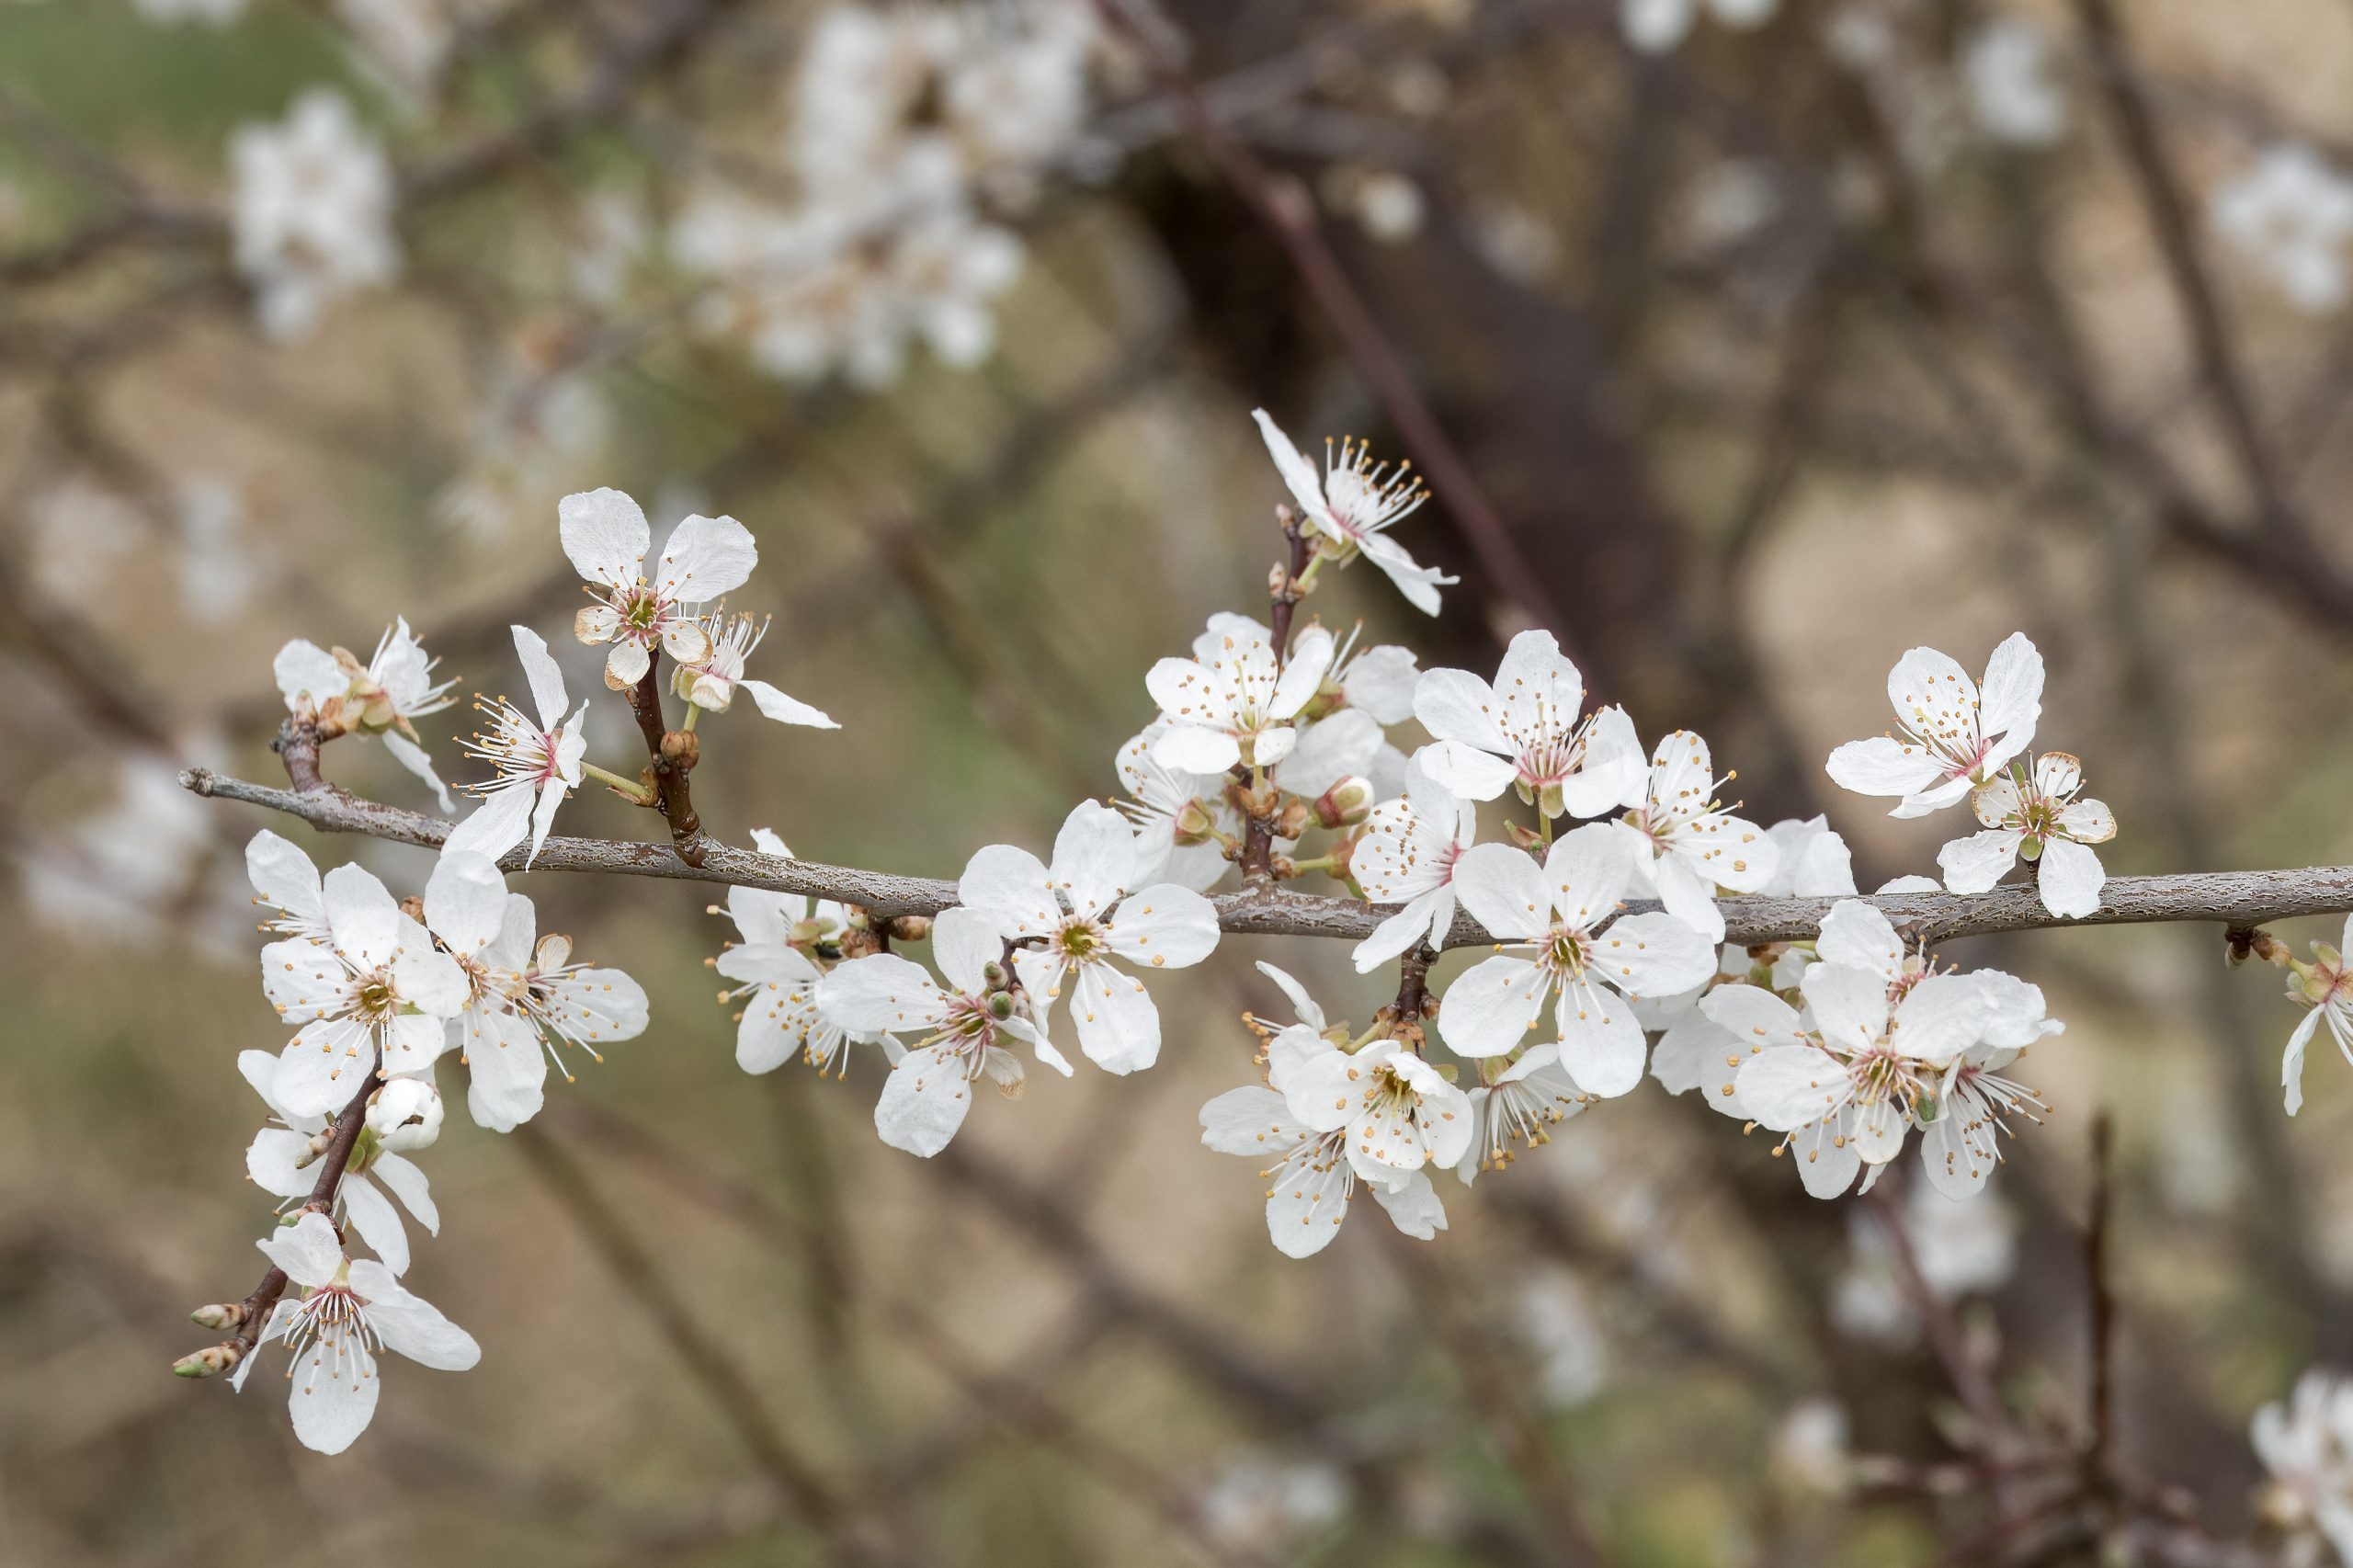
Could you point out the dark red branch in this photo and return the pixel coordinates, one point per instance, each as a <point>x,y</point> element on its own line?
<point>1286,213</point>
<point>675,754</point>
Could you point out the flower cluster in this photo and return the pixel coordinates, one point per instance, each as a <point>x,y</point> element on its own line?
<point>1276,754</point>
<point>379,992</point>
<point>910,131</point>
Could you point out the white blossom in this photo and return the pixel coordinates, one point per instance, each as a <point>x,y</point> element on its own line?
<point>1076,918</point>
<point>1654,27</point>
<point>1518,1101</point>
<point>281,1161</point>
<point>2290,216</point>
<point>1959,1248</point>
<point>1239,707</point>
<point>537,764</point>
<point>605,536</point>
<point>1397,1112</point>
<point>1811,860</point>
<point>1407,856</point>
<point>1685,843</point>
<point>711,681</point>
<point>1885,1045</point>
<point>1262,1502</point>
<point>1351,505</point>
<point>1309,1173</point>
<point>313,216</point>
<point>1178,816</point>
<point>2035,813</point>
<point>849,282</point>
<point>120,873</point>
<point>1954,735</point>
<point>1527,732</point>
<point>347,1311</point>
<point>524,999</point>
<point>1556,1320</point>
<point>1810,1447</point>
<point>2324,987</point>
<point>2006,72</point>
<point>373,992</point>
<point>219,572</point>
<point>1562,912</point>
<point>779,976</point>
<point>2307,1445</point>
<point>384,697</point>
<point>930,1091</point>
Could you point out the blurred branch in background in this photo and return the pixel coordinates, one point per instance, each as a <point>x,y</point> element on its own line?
<point>1741,345</point>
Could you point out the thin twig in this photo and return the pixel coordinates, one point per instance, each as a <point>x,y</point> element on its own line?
<point>2226,898</point>
<point>1287,213</point>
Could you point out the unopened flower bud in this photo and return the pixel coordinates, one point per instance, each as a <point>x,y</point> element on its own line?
<point>681,748</point>
<point>1296,818</point>
<point>312,1150</point>
<point>209,1362</point>
<point>1346,803</point>
<point>219,1314</point>
<point>1000,1006</point>
<point>1194,823</point>
<point>2241,943</point>
<point>405,1114</point>
<point>910,927</point>
<point>994,975</point>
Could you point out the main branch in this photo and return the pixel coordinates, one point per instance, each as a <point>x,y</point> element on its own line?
<point>2232,899</point>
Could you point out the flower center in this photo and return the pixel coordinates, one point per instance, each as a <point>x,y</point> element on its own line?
<point>1566,951</point>
<point>375,999</point>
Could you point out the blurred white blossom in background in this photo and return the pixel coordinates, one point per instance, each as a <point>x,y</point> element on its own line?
<point>2288,215</point>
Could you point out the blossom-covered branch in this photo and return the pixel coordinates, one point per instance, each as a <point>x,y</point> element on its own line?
<point>2234,899</point>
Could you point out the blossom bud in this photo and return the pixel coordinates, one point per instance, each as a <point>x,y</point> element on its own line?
<point>1297,815</point>
<point>317,1146</point>
<point>681,748</point>
<point>2241,943</point>
<point>1194,823</point>
<point>405,1114</point>
<point>1000,1006</point>
<point>995,975</point>
<point>910,927</point>
<point>1346,803</point>
<point>219,1314</point>
<point>209,1362</point>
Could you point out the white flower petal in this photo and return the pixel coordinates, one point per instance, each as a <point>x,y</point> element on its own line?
<point>605,536</point>
<point>924,1099</point>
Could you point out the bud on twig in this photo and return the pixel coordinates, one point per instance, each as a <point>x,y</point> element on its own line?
<point>209,1362</point>
<point>2241,943</point>
<point>910,927</point>
<point>219,1314</point>
<point>1346,803</point>
<point>680,748</point>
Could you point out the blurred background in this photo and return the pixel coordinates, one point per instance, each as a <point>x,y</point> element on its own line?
<point>1752,344</point>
